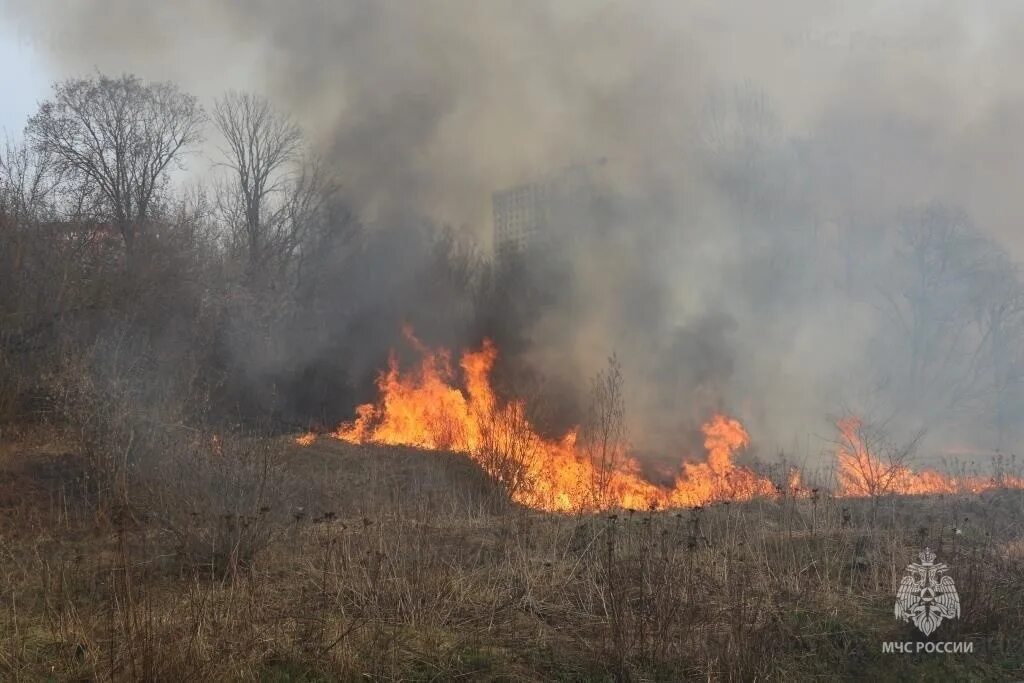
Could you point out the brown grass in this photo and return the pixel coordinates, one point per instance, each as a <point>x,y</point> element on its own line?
<point>390,564</point>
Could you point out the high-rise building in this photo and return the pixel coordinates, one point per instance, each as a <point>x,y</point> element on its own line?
<point>520,217</point>
<point>528,215</point>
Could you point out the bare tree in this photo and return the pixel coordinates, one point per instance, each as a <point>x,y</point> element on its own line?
<point>956,304</point>
<point>508,448</point>
<point>261,144</point>
<point>738,131</point>
<point>27,182</point>
<point>871,463</point>
<point>308,198</point>
<point>603,433</point>
<point>121,136</point>
<point>930,305</point>
<point>997,304</point>
<point>49,243</point>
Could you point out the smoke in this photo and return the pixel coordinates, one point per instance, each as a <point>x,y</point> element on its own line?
<point>761,162</point>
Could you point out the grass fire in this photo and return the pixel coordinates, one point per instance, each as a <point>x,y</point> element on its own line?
<point>566,340</point>
<point>425,409</point>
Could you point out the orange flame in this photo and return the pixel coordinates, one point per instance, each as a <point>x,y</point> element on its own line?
<point>794,484</point>
<point>863,473</point>
<point>719,478</point>
<point>425,409</point>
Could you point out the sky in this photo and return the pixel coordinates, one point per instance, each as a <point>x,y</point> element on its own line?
<point>23,78</point>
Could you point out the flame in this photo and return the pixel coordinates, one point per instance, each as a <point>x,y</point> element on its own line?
<point>794,484</point>
<point>425,409</point>
<point>863,473</point>
<point>719,478</point>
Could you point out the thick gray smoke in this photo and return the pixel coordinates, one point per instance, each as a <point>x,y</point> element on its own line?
<point>813,209</point>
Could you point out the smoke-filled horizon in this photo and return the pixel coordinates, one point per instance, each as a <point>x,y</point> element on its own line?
<point>814,208</point>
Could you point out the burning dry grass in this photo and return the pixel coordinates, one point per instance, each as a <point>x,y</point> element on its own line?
<point>390,564</point>
<point>863,472</point>
<point>426,408</point>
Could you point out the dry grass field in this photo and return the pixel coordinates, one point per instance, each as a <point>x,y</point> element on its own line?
<point>436,341</point>
<point>338,562</point>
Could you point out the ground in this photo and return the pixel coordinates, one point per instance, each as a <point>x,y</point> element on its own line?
<point>388,564</point>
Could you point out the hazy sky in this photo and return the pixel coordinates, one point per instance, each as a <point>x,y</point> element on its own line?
<point>23,78</point>
<point>497,92</point>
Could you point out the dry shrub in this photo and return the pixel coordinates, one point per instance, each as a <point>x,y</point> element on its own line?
<point>219,496</point>
<point>603,438</point>
<point>117,411</point>
<point>508,447</point>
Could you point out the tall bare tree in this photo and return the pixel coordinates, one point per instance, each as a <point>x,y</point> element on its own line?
<point>603,433</point>
<point>261,144</point>
<point>955,300</point>
<point>121,136</point>
<point>739,131</point>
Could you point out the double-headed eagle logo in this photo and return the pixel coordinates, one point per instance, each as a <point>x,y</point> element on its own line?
<point>924,597</point>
